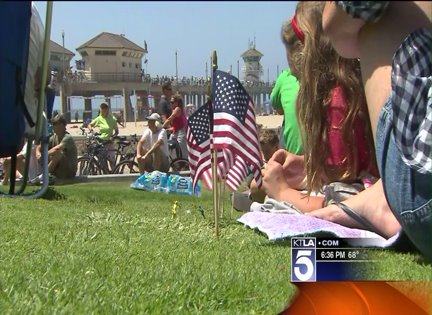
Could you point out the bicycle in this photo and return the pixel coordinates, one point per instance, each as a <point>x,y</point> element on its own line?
<point>126,158</point>
<point>177,162</point>
<point>95,153</point>
<point>96,160</point>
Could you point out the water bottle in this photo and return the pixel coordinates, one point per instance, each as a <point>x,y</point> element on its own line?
<point>177,184</point>
<point>142,181</point>
<point>197,191</point>
<point>164,183</point>
<point>157,181</point>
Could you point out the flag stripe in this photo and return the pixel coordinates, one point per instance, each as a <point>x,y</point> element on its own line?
<point>248,132</point>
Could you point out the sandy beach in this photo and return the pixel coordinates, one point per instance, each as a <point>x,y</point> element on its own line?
<point>272,122</point>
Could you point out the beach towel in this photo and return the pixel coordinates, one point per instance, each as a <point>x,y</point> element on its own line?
<point>280,225</point>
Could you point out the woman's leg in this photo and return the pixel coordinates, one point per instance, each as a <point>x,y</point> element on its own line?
<point>181,139</point>
<point>7,168</point>
<point>408,192</point>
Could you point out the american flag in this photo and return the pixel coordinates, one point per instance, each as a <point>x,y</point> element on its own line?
<point>199,139</point>
<point>234,130</point>
<point>234,135</point>
<point>80,64</point>
<point>198,142</point>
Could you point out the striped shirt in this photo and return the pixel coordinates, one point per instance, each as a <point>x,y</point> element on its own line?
<point>411,81</point>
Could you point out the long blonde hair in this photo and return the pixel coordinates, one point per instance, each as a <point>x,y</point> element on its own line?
<point>319,70</point>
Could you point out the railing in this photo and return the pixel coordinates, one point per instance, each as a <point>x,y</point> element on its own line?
<point>85,76</point>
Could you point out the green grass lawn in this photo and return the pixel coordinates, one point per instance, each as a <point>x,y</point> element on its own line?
<point>97,248</point>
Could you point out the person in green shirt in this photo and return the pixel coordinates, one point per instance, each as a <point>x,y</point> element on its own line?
<point>62,151</point>
<point>283,99</point>
<point>107,124</point>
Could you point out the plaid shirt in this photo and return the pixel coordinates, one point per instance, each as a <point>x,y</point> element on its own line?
<point>411,87</point>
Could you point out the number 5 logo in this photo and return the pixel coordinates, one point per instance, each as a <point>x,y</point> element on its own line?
<point>302,258</point>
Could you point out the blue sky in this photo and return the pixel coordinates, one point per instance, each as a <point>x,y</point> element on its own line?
<point>194,29</point>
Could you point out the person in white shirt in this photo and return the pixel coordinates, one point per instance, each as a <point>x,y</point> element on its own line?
<point>152,149</point>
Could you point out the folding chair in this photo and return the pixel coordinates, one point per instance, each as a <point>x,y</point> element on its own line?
<point>24,50</point>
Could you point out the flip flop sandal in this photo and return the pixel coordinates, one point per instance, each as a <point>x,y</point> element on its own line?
<point>357,217</point>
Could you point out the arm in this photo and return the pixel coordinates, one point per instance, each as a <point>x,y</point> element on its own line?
<point>38,152</point>
<point>66,142</point>
<point>176,113</point>
<point>342,30</point>
<point>154,147</point>
<point>116,130</point>
<point>112,122</point>
<point>275,98</point>
<point>92,124</point>
<point>57,148</point>
<point>140,147</point>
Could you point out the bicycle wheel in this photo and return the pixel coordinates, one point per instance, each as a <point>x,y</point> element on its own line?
<point>87,166</point>
<point>126,167</point>
<point>179,164</point>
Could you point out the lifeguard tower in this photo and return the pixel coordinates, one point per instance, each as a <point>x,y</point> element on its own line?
<point>252,69</point>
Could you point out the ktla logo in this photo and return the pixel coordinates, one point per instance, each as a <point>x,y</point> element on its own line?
<point>303,259</point>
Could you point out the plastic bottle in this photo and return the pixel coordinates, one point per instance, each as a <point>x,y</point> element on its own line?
<point>177,184</point>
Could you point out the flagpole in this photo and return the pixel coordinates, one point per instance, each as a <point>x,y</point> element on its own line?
<point>214,159</point>
<point>221,197</point>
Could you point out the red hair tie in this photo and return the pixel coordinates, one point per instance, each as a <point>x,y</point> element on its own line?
<point>297,30</point>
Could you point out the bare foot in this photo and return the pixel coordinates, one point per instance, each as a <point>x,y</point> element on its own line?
<point>371,204</point>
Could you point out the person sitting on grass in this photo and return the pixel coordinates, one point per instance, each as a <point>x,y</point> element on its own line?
<point>397,72</point>
<point>305,28</point>
<point>20,159</point>
<point>152,148</point>
<point>332,116</point>
<point>20,163</point>
<point>62,151</point>
<point>283,100</point>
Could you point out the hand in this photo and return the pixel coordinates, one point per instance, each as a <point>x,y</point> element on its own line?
<point>292,165</point>
<point>38,155</point>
